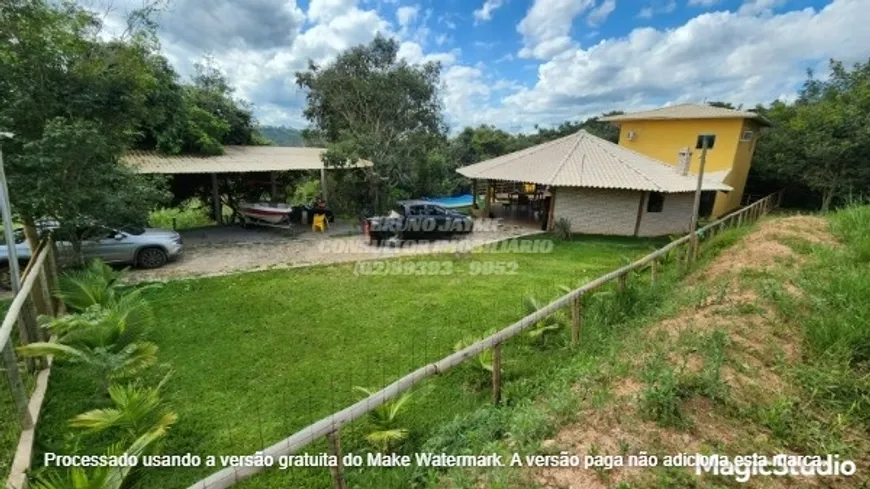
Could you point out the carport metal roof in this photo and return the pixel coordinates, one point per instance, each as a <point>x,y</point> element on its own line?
<point>236,159</point>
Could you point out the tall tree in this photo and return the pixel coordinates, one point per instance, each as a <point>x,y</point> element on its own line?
<point>821,140</point>
<point>73,101</point>
<point>369,104</point>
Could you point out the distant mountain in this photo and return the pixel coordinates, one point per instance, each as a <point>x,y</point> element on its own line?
<point>282,136</point>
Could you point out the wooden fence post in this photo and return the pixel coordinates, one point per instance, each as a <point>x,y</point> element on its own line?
<point>16,386</point>
<point>496,373</point>
<point>28,330</point>
<point>45,292</point>
<point>54,277</point>
<point>690,252</point>
<point>654,270</point>
<point>575,321</point>
<point>334,441</point>
<point>622,281</point>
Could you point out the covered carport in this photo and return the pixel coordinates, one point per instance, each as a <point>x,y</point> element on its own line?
<point>237,159</point>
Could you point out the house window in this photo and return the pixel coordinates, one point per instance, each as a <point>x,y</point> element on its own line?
<point>747,136</point>
<point>655,202</point>
<point>709,138</point>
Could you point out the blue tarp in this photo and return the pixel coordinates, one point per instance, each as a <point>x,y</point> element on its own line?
<point>450,202</point>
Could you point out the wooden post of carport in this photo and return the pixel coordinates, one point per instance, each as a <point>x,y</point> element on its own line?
<point>323,189</point>
<point>216,199</point>
<point>489,192</point>
<point>273,179</point>
<point>551,219</point>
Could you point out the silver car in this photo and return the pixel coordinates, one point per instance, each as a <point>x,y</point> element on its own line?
<point>140,247</point>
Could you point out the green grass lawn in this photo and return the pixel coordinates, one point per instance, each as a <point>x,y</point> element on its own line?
<point>258,356</point>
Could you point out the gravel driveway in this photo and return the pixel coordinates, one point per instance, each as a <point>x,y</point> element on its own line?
<point>221,251</point>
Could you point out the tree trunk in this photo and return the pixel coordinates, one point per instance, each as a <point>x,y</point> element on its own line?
<point>78,257</point>
<point>31,233</point>
<point>827,198</point>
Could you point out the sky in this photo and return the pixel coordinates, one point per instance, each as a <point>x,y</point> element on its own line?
<point>520,63</point>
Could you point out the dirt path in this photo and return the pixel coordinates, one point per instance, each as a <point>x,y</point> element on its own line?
<point>757,348</point>
<point>201,260</point>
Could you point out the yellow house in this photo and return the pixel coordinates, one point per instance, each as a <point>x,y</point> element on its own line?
<point>666,133</point>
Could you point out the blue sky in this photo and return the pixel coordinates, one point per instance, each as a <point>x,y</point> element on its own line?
<point>518,63</point>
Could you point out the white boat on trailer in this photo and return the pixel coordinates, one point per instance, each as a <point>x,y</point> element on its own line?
<point>266,214</point>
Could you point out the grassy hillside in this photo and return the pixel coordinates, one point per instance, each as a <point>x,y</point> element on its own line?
<point>765,350</point>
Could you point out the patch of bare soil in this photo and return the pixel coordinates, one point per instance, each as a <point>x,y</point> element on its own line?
<point>758,345</point>
<point>764,248</point>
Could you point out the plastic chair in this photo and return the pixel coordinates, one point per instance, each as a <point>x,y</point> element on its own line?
<point>319,223</point>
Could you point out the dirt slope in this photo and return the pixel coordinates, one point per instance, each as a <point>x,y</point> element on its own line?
<point>713,379</point>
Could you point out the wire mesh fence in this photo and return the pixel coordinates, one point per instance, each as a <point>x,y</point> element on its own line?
<point>28,380</point>
<point>324,435</point>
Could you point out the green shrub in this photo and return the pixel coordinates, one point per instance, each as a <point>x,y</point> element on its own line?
<point>852,225</point>
<point>562,229</point>
<point>708,382</point>
<point>305,192</point>
<point>663,394</point>
<point>549,326</point>
<point>189,214</point>
<point>386,432</point>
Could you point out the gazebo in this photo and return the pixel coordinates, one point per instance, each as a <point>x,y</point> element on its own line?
<point>236,159</point>
<point>600,187</point>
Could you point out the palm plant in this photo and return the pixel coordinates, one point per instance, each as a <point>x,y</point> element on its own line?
<point>94,284</point>
<point>386,434</point>
<point>119,324</point>
<point>105,336</point>
<point>137,410</point>
<point>483,361</point>
<point>109,363</point>
<point>97,285</point>
<point>545,327</point>
<point>104,477</point>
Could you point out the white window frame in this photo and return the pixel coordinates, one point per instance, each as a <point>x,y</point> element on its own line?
<point>747,136</point>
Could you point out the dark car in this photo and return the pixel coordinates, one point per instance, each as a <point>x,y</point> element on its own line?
<point>417,220</point>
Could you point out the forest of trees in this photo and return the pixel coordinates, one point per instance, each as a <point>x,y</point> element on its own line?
<point>817,148</point>
<point>100,97</point>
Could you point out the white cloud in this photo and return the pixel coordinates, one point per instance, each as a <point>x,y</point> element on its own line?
<point>703,3</point>
<point>413,53</point>
<point>326,10</point>
<point>407,14</point>
<point>748,57</point>
<point>755,7</point>
<point>546,27</point>
<point>600,13</point>
<point>484,13</point>
<point>720,56</point>
<point>656,7</point>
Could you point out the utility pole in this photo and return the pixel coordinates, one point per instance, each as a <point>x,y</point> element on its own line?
<point>693,240</point>
<point>6,214</point>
